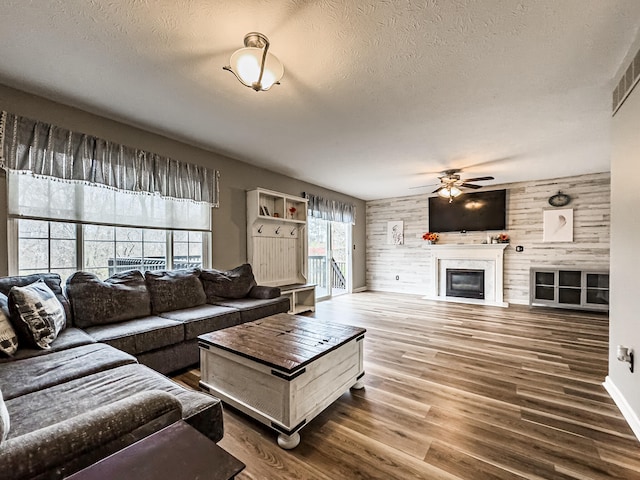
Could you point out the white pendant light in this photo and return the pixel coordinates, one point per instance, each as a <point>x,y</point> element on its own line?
<point>254,66</point>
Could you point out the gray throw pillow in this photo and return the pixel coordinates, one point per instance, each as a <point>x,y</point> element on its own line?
<point>4,420</point>
<point>123,296</point>
<point>8,336</point>
<point>236,283</point>
<point>37,314</point>
<point>175,289</point>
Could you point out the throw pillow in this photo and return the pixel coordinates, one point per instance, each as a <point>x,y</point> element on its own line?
<point>123,296</point>
<point>4,420</point>
<point>236,283</point>
<point>52,280</point>
<point>175,289</point>
<point>8,336</point>
<point>37,314</point>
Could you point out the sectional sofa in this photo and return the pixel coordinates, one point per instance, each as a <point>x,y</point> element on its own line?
<point>74,396</point>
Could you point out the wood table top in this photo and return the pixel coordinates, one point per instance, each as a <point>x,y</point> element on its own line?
<point>282,341</point>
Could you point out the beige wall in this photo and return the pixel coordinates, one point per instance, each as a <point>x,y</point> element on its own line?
<point>229,221</point>
<point>624,322</point>
<point>525,204</point>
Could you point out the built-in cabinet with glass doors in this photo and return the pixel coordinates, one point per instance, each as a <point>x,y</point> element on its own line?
<point>583,289</point>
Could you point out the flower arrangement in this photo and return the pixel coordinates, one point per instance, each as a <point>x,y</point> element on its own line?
<point>503,238</point>
<point>292,211</point>
<point>431,237</point>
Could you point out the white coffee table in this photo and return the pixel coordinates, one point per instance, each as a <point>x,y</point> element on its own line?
<point>282,370</point>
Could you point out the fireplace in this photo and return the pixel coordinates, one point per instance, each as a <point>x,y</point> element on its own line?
<point>464,282</point>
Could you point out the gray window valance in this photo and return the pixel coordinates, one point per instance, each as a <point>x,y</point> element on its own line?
<point>41,149</point>
<point>331,210</point>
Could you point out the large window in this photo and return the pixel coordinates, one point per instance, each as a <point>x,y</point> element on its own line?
<point>49,246</point>
<point>46,247</point>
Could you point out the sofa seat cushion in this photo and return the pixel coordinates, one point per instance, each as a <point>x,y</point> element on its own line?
<point>236,283</point>
<point>204,319</point>
<point>123,296</point>
<point>57,451</point>
<point>68,338</point>
<point>175,289</point>
<point>58,403</point>
<point>252,308</point>
<point>59,367</point>
<point>139,335</point>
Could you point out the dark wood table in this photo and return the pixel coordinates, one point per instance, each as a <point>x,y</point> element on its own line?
<point>178,451</point>
<point>282,370</point>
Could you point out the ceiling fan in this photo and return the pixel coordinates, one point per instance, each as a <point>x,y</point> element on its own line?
<point>451,184</point>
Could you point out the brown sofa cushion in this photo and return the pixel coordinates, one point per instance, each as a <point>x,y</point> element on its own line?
<point>175,289</point>
<point>236,283</point>
<point>124,296</point>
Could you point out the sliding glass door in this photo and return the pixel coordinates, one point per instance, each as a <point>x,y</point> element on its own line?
<point>329,257</point>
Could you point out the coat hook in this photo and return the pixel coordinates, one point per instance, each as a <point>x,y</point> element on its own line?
<point>260,229</point>
<point>278,231</point>
<point>293,232</point>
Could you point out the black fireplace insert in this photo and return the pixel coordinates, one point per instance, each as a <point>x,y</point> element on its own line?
<point>466,283</point>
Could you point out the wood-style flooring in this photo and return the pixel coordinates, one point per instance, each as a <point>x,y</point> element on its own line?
<point>456,391</point>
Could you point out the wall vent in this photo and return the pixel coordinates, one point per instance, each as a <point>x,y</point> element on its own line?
<point>627,82</point>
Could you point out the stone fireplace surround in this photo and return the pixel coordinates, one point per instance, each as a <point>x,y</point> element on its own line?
<point>487,257</point>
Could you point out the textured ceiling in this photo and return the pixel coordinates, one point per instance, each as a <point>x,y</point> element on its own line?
<point>376,94</point>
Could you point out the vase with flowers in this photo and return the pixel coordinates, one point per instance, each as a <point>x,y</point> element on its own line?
<point>292,212</point>
<point>430,237</point>
<point>503,238</point>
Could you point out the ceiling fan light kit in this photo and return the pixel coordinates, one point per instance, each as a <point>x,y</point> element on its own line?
<point>451,185</point>
<point>254,66</point>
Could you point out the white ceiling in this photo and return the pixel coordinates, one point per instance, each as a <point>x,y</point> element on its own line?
<point>376,94</point>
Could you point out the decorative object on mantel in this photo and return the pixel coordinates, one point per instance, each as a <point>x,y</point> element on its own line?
<point>395,233</point>
<point>559,200</point>
<point>292,212</point>
<point>503,238</point>
<point>500,238</point>
<point>431,238</point>
<point>557,225</point>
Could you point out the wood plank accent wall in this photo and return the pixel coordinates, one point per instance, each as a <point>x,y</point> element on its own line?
<point>525,203</point>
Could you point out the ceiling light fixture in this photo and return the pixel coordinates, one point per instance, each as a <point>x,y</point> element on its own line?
<point>254,66</point>
<point>450,192</point>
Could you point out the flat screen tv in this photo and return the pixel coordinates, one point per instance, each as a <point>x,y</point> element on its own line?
<point>469,212</point>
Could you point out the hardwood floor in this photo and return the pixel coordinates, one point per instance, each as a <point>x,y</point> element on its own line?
<point>456,391</point>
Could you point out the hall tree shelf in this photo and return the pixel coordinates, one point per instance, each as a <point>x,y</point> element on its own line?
<point>581,289</point>
<point>277,245</point>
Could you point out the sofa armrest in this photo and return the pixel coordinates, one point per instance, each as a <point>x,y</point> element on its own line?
<point>262,292</point>
<point>63,448</point>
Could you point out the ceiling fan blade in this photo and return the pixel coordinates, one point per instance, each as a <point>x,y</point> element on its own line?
<point>478,179</point>
<point>470,185</point>
<point>424,186</point>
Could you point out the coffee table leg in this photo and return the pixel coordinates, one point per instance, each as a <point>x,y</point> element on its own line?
<point>288,441</point>
<point>358,385</point>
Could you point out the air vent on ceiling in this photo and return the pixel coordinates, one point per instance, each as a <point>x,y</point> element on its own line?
<point>627,82</point>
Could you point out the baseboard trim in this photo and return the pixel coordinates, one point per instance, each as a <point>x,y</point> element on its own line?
<point>621,402</point>
<point>360,289</point>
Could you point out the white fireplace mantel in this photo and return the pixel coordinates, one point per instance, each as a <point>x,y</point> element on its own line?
<point>489,257</point>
